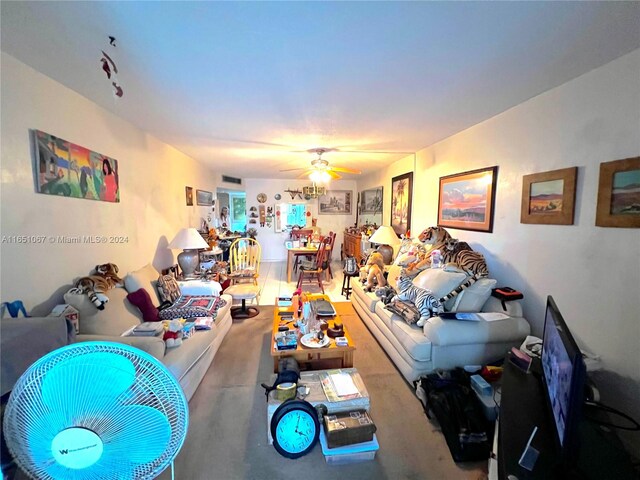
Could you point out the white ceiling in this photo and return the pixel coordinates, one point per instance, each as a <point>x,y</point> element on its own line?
<point>247,87</point>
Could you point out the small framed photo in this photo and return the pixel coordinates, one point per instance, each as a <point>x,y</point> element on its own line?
<point>189,195</point>
<point>549,197</point>
<point>288,244</point>
<point>466,200</point>
<point>619,194</point>
<point>204,198</point>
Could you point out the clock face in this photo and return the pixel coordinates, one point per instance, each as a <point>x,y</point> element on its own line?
<point>295,428</point>
<point>295,431</point>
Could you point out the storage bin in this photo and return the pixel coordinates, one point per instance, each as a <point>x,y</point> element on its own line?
<point>358,452</point>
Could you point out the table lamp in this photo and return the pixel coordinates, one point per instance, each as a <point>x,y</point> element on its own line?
<point>386,237</point>
<point>189,240</point>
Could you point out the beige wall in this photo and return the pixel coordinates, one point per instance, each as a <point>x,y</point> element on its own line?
<point>593,273</point>
<point>152,204</point>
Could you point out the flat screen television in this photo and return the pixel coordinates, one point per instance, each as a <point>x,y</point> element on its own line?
<point>564,374</point>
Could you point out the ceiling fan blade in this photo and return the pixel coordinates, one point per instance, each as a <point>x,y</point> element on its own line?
<point>345,170</point>
<point>292,169</point>
<point>333,174</point>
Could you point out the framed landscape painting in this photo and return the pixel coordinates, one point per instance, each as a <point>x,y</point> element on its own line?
<point>466,200</point>
<point>401,197</point>
<point>549,197</point>
<point>335,202</point>
<point>70,170</point>
<point>619,194</point>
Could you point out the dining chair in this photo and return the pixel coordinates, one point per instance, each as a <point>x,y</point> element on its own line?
<point>316,267</point>
<point>244,269</point>
<point>332,236</point>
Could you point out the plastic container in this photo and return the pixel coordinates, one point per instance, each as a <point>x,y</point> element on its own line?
<point>358,452</point>
<point>436,259</point>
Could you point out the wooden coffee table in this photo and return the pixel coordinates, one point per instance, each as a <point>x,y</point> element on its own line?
<point>341,357</point>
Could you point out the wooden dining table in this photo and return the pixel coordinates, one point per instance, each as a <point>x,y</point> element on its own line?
<point>291,255</point>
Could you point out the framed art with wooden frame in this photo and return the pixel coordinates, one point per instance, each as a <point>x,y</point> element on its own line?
<point>549,197</point>
<point>401,197</point>
<point>619,194</point>
<point>466,200</point>
<point>189,194</point>
<point>204,198</point>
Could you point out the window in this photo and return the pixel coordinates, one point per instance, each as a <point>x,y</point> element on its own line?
<point>238,212</point>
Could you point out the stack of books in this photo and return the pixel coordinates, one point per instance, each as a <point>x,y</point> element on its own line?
<point>147,329</point>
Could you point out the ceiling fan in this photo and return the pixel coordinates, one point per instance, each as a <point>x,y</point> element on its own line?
<point>320,170</point>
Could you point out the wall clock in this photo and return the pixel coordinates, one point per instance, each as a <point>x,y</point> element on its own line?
<point>295,428</point>
<point>262,197</point>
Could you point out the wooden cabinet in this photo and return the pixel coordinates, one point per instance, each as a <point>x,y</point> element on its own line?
<point>352,246</point>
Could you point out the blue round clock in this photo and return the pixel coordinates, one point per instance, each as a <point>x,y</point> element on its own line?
<point>295,428</point>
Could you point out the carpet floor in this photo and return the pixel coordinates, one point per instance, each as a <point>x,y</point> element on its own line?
<point>227,438</point>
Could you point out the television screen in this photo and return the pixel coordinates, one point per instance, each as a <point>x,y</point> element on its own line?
<point>564,375</point>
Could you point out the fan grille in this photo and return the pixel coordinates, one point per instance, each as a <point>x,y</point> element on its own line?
<point>124,395</point>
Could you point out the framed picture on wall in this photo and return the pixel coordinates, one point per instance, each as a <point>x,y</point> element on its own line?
<point>335,202</point>
<point>71,170</point>
<point>549,197</point>
<point>401,197</point>
<point>189,195</point>
<point>371,201</point>
<point>619,194</point>
<point>466,200</point>
<point>204,198</point>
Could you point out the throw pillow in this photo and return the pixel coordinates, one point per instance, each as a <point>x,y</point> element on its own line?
<point>439,281</point>
<point>407,311</point>
<point>140,298</point>
<point>146,278</point>
<point>168,288</point>
<point>474,297</point>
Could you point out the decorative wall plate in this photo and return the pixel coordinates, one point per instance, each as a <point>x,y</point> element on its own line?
<point>262,197</point>
<point>277,196</point>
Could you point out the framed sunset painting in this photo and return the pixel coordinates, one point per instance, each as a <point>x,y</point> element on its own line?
<point>467,199</point>
<point>549,197</point>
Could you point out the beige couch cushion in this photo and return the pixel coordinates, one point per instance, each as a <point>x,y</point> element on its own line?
<point>455,332</point>
<point>368,298</point>
<point>147,278</point>
<point>412,338</point>
<point>118,316</point>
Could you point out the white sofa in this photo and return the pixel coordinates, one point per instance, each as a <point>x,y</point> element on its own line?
<point>442,344</point>
<point>188,362</point>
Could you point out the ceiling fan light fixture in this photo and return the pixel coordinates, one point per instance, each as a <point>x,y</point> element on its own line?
<point>319,176</point>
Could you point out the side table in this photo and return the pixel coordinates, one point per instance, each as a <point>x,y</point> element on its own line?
<point>200,287</point>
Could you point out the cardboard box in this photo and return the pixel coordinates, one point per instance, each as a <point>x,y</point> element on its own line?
<point>347,428</point>
<point>68,312</point>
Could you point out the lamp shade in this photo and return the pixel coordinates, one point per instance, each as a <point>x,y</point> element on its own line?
<point>385,235</point>
<point>188,239</point>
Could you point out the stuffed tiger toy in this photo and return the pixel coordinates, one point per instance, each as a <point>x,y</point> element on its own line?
<point>424,300</point>
<point>463,256</point>
<point>435,237</point>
